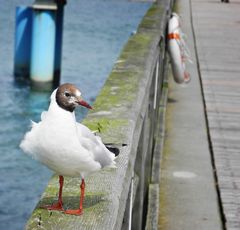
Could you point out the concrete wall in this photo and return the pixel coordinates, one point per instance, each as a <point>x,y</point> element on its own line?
<point>128,113</point>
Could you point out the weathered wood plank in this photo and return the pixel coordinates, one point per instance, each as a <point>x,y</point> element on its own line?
<point>219,67</point>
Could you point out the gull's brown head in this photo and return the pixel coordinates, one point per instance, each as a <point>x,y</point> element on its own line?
<point>68,97</point>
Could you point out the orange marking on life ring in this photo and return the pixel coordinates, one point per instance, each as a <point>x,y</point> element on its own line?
<point>173,36</point>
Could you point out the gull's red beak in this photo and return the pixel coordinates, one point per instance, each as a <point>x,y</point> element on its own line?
<point>85,104</point>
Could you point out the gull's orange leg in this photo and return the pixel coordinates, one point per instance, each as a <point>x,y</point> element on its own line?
<point>59,205</point>
<point>79,211</point>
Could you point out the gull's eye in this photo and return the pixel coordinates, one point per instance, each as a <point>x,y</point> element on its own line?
<point>67,94</point>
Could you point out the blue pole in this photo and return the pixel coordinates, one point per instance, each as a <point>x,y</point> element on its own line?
<point>23,34</point>
<point>59,38</point>
<point>43,46</point>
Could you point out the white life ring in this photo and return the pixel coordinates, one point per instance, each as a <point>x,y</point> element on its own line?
<point>177,50</point>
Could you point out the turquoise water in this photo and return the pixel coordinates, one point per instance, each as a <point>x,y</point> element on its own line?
<point>94,33</point>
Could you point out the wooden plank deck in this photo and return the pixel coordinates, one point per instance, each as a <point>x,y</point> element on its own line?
<point>217,30</point>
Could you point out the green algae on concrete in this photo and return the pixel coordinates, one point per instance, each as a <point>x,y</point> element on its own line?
<point>111,130</point>
<point>94,204</point>
<point>118,91</point>
<point>150,22</point>
<point>136,48</point>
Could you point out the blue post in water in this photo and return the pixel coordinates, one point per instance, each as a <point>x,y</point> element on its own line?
<point>23,37</point>
<point>43,45</point>
<point>58,45</point>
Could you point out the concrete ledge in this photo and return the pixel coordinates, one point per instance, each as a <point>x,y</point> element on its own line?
<point>125,117</point>
<point>153,207</point>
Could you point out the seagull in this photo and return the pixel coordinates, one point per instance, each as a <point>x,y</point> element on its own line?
<point>65,146</point>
